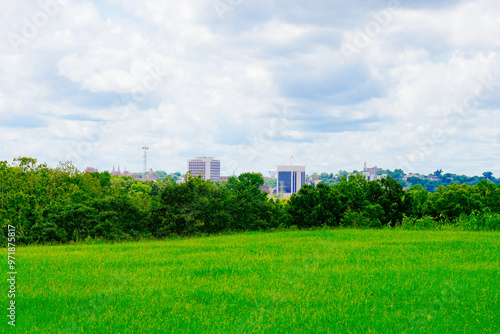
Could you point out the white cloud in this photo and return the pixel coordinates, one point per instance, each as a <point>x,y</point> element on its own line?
<point>221,83</point>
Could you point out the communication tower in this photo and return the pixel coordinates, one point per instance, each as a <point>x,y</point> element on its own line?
<point>145,169</point>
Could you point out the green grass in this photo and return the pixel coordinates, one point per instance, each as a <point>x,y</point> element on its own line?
<point>325,281</point>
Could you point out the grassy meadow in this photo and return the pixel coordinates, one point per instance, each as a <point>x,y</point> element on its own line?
<point>322,281</point>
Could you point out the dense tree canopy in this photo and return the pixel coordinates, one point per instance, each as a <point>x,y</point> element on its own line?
<point>64,205</point>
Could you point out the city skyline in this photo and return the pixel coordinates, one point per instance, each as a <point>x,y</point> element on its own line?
<point>370,173</point>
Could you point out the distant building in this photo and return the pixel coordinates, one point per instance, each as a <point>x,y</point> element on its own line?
<point>290,179</point>
<point>116,172</point>
<point>315,181</point>
<point>207,167</point>
<point>264,188</point>
<point>407,176</point>
<point>371,174</point>
<point>151,176</point>
<point>91,170</point>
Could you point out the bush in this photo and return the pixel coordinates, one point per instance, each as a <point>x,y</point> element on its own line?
<point>357,220</point>
<point>479,221</point>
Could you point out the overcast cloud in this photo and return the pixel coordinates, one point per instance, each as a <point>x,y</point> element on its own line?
<point>398,84</point>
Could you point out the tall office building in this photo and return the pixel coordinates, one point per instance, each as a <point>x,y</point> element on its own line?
<point>290,179</point>
<point>207,167</point>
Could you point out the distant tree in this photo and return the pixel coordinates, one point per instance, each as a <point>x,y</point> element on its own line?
<point>448,177</point>
<point>438,173</point>
<point>487,175</point>
<point>399,172</point>
<point>140,187</point>
<point>160,174</point>
<point>341,173</point>
<point>122,183</point>
<point>271,183</point>
<point>415,180</point>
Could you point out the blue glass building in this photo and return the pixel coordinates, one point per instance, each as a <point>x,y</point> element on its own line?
<point>290,179</point>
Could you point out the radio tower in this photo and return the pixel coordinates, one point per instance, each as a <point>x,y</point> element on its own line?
<point>145,170</point>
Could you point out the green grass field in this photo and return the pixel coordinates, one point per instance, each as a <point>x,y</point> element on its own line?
<point>324,281</point>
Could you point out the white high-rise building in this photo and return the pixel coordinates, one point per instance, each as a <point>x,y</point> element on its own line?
<point>207,167</point>
<point>290,179</point>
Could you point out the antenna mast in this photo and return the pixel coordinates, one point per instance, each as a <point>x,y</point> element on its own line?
<point>145,169</point>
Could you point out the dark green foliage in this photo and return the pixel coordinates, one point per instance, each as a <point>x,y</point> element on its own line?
<point>315,206</point>
<point>184,207</point>
<point>248,205</point>
<point>354,202</point>
<point>63,205</point>
<point>198,206</point>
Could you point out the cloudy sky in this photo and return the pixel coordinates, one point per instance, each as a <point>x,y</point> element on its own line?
<point>398,84</point>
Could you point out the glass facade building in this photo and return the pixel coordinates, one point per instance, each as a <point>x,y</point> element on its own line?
<point>290,179</point>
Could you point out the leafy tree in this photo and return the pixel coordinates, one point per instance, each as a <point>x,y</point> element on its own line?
<point>249,206</point>
<point>315,206</point>
<point>140,188</point>
<point>160,174</point>
<point>438,173</point>
<point>487,175</point>
<point>183,206</point>
<point>271,183</point>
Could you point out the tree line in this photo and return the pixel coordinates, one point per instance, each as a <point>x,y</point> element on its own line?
<point>430,182</point>
<point>61,205</point>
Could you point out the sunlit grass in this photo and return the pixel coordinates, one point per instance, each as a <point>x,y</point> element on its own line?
<point>339,281</point>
